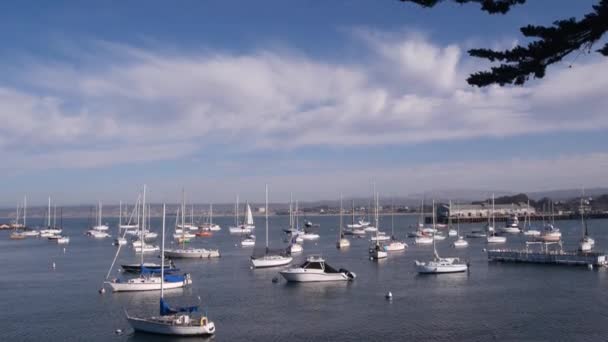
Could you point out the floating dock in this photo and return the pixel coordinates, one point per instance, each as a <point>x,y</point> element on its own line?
<point>547,256</point>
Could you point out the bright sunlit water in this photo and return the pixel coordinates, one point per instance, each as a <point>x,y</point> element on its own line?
<point>506,302</point>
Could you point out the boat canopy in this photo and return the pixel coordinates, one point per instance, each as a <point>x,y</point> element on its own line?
<point>165,309</point>
<point>174,278</point>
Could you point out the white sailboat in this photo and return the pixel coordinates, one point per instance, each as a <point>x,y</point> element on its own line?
<point>248,225</point>
<point>395,245</point>
<point>248,241</point>
<point>451,232</point>
<point>50,229</point>
<point>460,242</point>
<point>492,237</point>
<point>342,241</point>
<point>377,252</point>
<point>528,231</point>
<point>586,243</point>
<point>440,265</point>
<point>147,281</point>
<point>189,252</point>
<point>269,259</point>
<point>175,322</point>
<point>210,226</point>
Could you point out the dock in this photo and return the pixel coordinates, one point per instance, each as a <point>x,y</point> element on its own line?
<point>548,256</point>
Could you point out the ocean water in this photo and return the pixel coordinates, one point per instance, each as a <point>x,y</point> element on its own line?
<point>494,301</point>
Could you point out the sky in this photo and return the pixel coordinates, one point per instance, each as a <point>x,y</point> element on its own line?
<point>314,98</point>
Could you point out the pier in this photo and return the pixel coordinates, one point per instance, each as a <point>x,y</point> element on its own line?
<point>547,256</point>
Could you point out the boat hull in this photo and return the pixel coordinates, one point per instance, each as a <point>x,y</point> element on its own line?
<point>423,268</point>
<point>152,327</point>
<point>299,275</point>
<point>265,262</point>
<point>192,254</point>
<point>146,286</point>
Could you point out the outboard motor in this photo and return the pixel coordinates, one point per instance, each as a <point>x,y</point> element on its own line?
<point>349,274</point>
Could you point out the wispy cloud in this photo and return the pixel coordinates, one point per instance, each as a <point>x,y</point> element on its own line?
<point>406,89</point>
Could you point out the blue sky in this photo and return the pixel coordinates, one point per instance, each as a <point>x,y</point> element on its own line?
<point>312,97</point>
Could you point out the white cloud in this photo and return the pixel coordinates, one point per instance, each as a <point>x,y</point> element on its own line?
<point>406,89</point>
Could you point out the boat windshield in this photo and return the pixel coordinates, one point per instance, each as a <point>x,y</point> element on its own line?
<point>312,265</point>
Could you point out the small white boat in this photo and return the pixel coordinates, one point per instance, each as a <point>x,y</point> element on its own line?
<point>315,269</point>
<point>307,236</point>
<point>97,234</point>
<point>148,235</point>
<point>248,242</point>
<point>496,239</point>
<point>532,232</point>
<point>550,234</point>
<point>248,225</point>
<point>424,240</point>
<point>452,233</point>
<point>184,235</point>
<point>50,232</point>
<point>380,236</point>
<point>428,230</point>
<point>439,237</point>
<point>63,240</point>
<point>460,242</point>
<point>146,248</point>
<point>295,248</point>
<point>192,253</point>
<point>342,241</point>
<point>121,241</point>
<point>30,233</point>
<point>395,246</point>
<point>512,226</point>
<point>270,260</point>
<point>370,229</point>
<point>241,229</point>
<point>586,243</point>
<point>477,234</point>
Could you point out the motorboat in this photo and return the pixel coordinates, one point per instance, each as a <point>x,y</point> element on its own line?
<point>438,237</point>
<point>512,226</point>
<point>184,235</point>
<point>315,269</point>
<point>395,246</point>
<point>496,239</point>
<point>370,229</point>
<point>452,233</point>
<point>295,248</point>
<point>310,236</point>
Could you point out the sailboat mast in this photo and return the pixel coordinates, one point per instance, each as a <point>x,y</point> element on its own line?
<point>142,227</point>
<point>266,212</point>
<point>210,214</point>
<point>377,218</point>
<point>493,215</point>
<point>341,222</point>
<point>24,211</point>
<point>353,212</point>
<point>119,215</point>
<point>54,215</point>
<point>162,257</point>
<point>392,216</point>
<point>236,211</point>
<point>434,232</point>
<point>48,218</point>
<point>183,207</point>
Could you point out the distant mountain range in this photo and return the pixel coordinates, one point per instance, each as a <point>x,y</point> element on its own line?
<point>412,201</point>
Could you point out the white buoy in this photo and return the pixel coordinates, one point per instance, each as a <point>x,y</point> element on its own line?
<point>388,295</point>
<point>590,266</point>
<point>63,250</point>
<point>54,265</point>
<point>102,290</point>
<point>118,332</point>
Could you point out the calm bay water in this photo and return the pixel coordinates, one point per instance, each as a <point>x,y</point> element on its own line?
<point>505,302</point>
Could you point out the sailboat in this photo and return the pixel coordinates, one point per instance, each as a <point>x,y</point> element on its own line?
<point>377,251</point>
<point>190,252</point>
<point>120,240</point>
<point>492,237</point>
<point>210,226</point>
<point>451,231</point>
<point>354,228</point>
<point>550,233</point>
<point>342,241</point>
<point>99,231</point>
<point>308,233</point>
<point>460,242</point>
<point>247,226</point>
<point>50,229</point>
<point>528,231</point>
<point>172,321</point>
<point>394,245</point>
<point>586,243</point>
<point>440,265</point>
<point>148,280</point>
<point>270,258</point>
<point>424,235</point>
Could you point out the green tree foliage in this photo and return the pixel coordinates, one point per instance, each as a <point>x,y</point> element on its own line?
<point>550,43</point>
